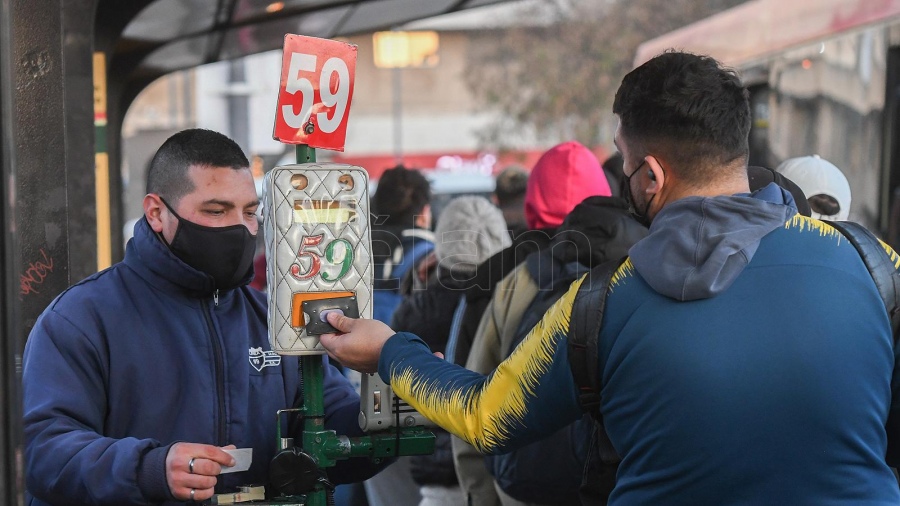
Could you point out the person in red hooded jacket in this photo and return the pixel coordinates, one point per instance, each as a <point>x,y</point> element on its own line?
<point>561,179</point>
<point>563,176</point>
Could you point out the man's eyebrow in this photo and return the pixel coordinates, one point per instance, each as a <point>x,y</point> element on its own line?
<point>228,204</point>
<point>216,202</point>
<point>616,144</point>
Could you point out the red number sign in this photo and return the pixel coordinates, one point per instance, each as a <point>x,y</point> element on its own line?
<point>316,87</point>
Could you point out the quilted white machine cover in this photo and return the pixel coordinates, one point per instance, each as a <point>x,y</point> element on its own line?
<point>317,240</point>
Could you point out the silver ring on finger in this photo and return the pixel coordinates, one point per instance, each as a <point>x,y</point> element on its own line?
<point>192,492</point>
<point>191,469</point>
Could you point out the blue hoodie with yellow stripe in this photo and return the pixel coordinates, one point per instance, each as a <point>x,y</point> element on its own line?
<point>745,358</point>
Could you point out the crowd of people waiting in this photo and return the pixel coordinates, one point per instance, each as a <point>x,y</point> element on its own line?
<point>738,350</point>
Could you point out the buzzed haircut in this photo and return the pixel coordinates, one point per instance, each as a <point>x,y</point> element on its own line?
<point>168,172</point>
<point>512,183</point>
<point>402,194</point>
<point>687,109</point>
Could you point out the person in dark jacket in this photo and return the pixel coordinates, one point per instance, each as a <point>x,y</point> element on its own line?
<point>401,239</point>
<point>470,230</point>
<point>509,195</point>
<point>401,234</point>
<point>600,229</point>
<point>564,176</point>
<point>137,377</point>
<point>744,354</point>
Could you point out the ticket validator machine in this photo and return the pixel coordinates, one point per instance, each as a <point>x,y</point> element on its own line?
<point>318,253</point>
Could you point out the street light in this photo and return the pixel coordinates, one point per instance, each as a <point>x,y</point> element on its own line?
<point>397,50</point>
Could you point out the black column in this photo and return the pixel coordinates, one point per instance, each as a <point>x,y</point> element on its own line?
<point>39,127</point>
<point>11,486</point>
<point>78,75</point>
<point>47,186</point>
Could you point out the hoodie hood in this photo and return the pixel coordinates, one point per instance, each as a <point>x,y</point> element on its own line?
<point>469,231</point>
<point>564,176</point>
<point>600,228</point>
<point>698,246</point>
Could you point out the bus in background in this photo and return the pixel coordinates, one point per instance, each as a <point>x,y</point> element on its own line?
<point>824,78</point>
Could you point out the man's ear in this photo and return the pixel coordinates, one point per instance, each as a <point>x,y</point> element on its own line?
<point>153,210</point>
<point>656,174</point>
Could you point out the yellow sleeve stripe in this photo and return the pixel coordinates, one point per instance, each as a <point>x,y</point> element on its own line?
<point>805,223</point>
<point>624,271</point>
<point>486,414</point>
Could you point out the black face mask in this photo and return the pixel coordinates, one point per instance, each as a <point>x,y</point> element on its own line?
<point>629,197</point>
<point>225,253</point>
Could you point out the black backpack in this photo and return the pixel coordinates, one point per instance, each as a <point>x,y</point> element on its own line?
<point>584,331</point>
<point>548,471</point>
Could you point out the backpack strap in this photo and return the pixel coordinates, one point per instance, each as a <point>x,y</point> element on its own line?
<point>411,257</point>
<point>584,333</point>
<point>455,326</point>
<point>883,270</point>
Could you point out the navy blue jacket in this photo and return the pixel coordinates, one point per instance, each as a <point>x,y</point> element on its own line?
<point>745,358</point>
<point>137,357</point>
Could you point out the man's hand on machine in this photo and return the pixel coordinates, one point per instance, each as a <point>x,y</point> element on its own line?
<point>359,344</point>
<point>191,469</point>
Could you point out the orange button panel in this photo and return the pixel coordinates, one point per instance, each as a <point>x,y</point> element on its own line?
<point>297,319</point>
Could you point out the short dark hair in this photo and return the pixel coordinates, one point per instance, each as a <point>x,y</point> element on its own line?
<point>688,109</point>
<point>512,182</point>
<point>825,205</point>
<point>168,172</point>
<point>401,195</point>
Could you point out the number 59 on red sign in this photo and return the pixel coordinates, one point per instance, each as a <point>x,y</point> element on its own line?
<point>316,88</point>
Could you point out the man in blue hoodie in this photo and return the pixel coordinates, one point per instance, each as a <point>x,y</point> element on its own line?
<point>137,377</point>
<point>745,355</point>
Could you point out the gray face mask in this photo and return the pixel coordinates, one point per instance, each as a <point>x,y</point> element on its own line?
<point>224,253</point>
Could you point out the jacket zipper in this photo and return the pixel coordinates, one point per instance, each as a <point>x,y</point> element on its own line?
<point>220,374</point>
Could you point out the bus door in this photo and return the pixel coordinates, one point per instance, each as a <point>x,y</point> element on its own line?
<point>890,175</point>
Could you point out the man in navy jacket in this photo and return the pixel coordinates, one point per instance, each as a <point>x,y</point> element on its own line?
<point>137,377</point>
<point>744,355</point>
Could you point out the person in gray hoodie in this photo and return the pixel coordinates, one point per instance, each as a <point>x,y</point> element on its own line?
<point>469,230</point>
<point>744,355</point>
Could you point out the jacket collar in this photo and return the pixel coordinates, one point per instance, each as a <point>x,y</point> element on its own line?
<point>154,261</point>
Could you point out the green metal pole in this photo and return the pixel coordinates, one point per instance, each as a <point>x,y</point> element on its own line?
<point>313,380</point>
<point>314,415</point>
<point>313,395</point>
<point>305,154</point>
<point>326,447</point>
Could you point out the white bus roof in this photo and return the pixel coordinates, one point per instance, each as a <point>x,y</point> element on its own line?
<point>758,28</point>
